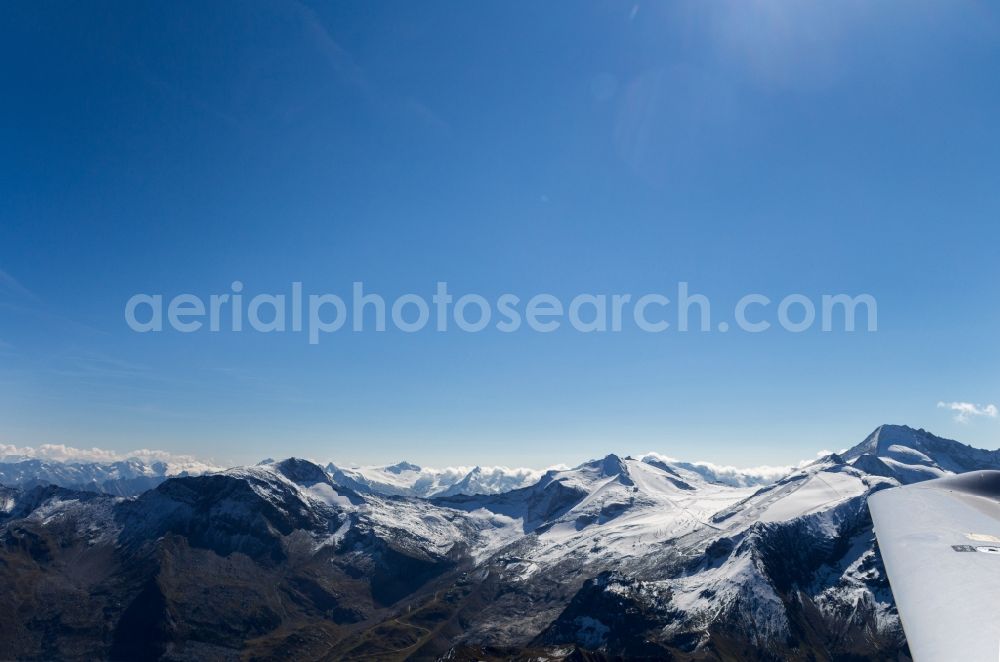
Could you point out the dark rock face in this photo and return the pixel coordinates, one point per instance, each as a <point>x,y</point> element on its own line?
<point>220,512</point>
<point>144,629</point>
<point>302,472</point>
<point>609,613</point>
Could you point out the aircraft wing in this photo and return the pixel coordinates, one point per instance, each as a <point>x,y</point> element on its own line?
<point>940,541</point>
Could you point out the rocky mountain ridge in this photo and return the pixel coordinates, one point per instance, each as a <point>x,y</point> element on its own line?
<point>618,557</point>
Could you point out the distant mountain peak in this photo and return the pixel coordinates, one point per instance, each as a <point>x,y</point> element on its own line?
<point>910,454</point>
<point>302,472</point>
<point>400,467</point>
<point>887,435</point>
<point>127,477</point>
<point>611,465</point>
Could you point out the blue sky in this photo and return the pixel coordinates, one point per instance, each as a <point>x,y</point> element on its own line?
<point>501,147</point>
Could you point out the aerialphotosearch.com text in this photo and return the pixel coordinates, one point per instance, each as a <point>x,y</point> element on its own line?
<point>317,315</point>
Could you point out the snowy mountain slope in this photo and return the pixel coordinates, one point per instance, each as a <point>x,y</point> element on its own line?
<point>792,566</point>
<point>778,570</point>
<point>788,545</point>
<point>616,557</point>
<point>611,508</point>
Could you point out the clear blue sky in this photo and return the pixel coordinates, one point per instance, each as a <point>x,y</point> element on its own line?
<point>503,147</point>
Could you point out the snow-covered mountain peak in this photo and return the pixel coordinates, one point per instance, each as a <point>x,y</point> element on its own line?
<point>612,465</point>
<point>910,455</point>
<point>587,476</point>
<point>878,442</point>
<point>302,472</point>
<point>400,467</point>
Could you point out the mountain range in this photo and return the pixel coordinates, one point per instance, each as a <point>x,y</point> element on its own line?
<point>122,478</point>
<point>406,479</point>
<point>636,557</point>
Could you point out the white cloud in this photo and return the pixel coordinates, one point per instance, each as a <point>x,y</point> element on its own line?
<point>739,476</point>
<point>964,411</point>
<point>64,453</point>
<point>728,474</point>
